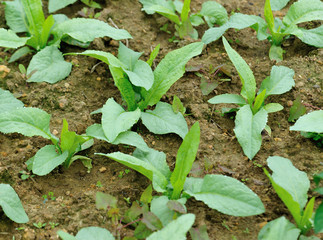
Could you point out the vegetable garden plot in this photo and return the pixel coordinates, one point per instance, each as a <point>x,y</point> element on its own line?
<point>90,86</point>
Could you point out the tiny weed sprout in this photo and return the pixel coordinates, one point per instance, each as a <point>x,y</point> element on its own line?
<point>178,12</point>
<point>279,30</point>
<point>11,204</point>
<point>141,87</point>
<point>311,126</point>
<point>45,36</point>
<point>225,194</point>
<point>35,122</point>
<point>251,118</point>
<point>40,225</point>
<point>292,186</point>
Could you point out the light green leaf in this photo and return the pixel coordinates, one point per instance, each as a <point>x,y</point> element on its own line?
<point>278,4</point>
<point>127,56</point>
<point>168,71</point>
<point>276,53</point>
<point>35,16</point>
<point>158,179</point>
<point>65,236</point>
<point>214,13</point>
<point>311,122</point>
<point>273,107</point>
<point>9,39</point>
<point>167,4</point>
<point>248,129</point>
<point>54,5</point>
<point>228,98</point>
<point>27,121</point>
<point>166,12</point>
<point>279,228</point>
<point>48,65</point>
<point>248,81</point>
<point>15,16</point>
<point>11,205</point>
<point>141,75</point>
<point>86,30</point>
<point>176,229</point>
<point>304,11</point>
<point>280,81</point>
<point>46,159</point>
<point>294,181</point>
<point>184,159</point>
<point>94,233</point>
<point>8,102</point>
<point>318,219</point>
<point>237,21</point>
<point>312,37</point>
<point>306,220</point>
<point>163,120</point>
<point>153,55</point>
<point>116,120</point>
<point>21,52</point>
<point>225,194</point>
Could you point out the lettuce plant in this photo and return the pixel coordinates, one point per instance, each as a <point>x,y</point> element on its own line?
<point>292,186</point>
<point>48,64</point>
<point>141,87</point>
<point>251,118</point>
<point>311,126</point>
<point>212,13</point>
<point>55,5</point>
<point>225,194</point>
<point>11,204</point>
<point>35,122</point>
<point>300,12</point>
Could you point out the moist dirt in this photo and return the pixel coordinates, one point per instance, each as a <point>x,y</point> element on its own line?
<point>90,85</point>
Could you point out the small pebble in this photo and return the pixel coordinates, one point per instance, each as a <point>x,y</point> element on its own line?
<point>98,79</point>
<point>67,193</point>
<point>102,169</point>
<point>55,132</point>
<point>289,103</point>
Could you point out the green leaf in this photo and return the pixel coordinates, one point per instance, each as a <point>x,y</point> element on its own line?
<point>306,220</point>
<point>273,107</point>
<point>8,39</point>
<point>45,33</point>
<point>248,128</point>
<point>185,10</point>
<point>65,236</point>
<point>141,75</point>
<point>228,98</point>
<point>21,52</point>
<point>48,65</point>
<point>184,159</point>
<point>248,81</point>
<point>280,81</point>
<point>168,71</point>
<point>313,36</point>
<point>46,159</point>
<point>176,229</point>
<point>15,16</point>
<point>11,205</point>
<point>35,17</point>
<point>27,121</point>
<point>148,170</point>
<point>276,53</point>
<point>178,106</point>
<point>279,228</point>
<point>225,194</point>
<point>304,11</point>
<point>8,102</point>
<point>318,219</point>
<point>297,110</point>
<point>151,221</point>
<point>128,57</point>
<point>259,101</point>
<point>153,55</point>
<point>86,30</point>
<point>278,4</point>
<point>116,120</point>
<point>269,17</point>
<point>166,12</point>
<point>105,201</point>
<point>91,3</point>
<point>311,122</point>
<point>54,5</point>
<point>163,120</point>
<point>199,233</point>
<point>214,13</point>
<point>146,196</point>
<point>94,233</point>
<point>238,21</point>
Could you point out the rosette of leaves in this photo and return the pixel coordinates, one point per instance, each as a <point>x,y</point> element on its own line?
<point>30,122</point>
<point>251,118</point>
<point>178,12</point>
<point>292,185</point>
<point>140,88</point>
<point>225,194</point>
<point>300,12</point>
<point>45,35</point>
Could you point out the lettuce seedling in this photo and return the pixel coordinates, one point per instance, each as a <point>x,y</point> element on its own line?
<point>35,122</point>
<point>292,186</point>
<point>222,193</point>
<point>141,87</point>
<point>45,36</point>
<point>55,5</point>
<point>212,13</point>
<point>11,204</point>
<point>251,118</point>
<point>279,30</point>
<point>311,126</point>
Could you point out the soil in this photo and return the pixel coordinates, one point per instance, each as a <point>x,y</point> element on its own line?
<point>87,89</point>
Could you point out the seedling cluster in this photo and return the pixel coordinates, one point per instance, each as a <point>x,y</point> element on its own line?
<point>161,211</point>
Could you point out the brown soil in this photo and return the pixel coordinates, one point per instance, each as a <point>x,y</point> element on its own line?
<point>85,91</point>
